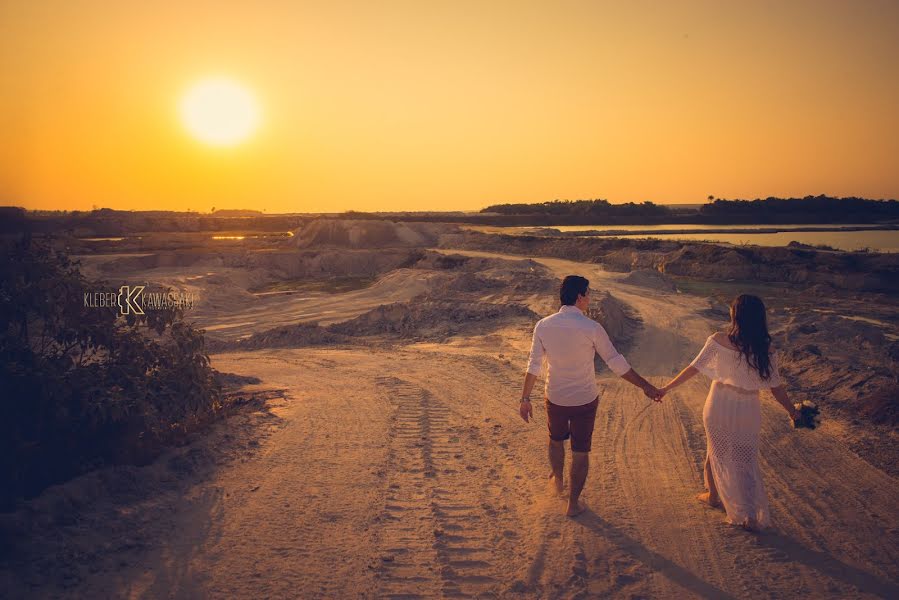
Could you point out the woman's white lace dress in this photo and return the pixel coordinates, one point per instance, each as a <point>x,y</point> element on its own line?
<point>732,418</point>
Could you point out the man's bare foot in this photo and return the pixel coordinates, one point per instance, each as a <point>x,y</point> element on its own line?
<point>576,509</point>
<point>556,485</point>
<point>706,498</point>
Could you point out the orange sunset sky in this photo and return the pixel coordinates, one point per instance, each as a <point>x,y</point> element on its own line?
<point>426,105</point>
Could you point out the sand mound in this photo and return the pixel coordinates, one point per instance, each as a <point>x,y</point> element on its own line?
<point>534,283</point>
<point>717,311</point>
<point>545,231</point>
<point>524,276</point>
<point>273,265</point>
<point>358,233</point>
<point>440,261</point>
<point>712,262</point>
<point>851,334</point>
<point>650,279</point>
<point>425,318</point>
<point>842,364</point>
<point>225,281</point>
<point>161,260</point>
<point>620,321</point>
<point>430,319</point>
<point>288,336</point>
<point>619,261</point>
<point>820,290</point>
<point>463,283</point>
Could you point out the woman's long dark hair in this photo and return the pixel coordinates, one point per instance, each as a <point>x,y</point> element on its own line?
<point>749,332</point>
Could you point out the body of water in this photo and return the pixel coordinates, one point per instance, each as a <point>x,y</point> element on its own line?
<point>694,226</point>
<point>877,240</point>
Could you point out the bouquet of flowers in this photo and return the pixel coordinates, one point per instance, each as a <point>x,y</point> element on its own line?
<point>808,415</point>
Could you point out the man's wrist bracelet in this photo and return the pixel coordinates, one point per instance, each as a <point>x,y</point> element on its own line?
<point>525,400</point>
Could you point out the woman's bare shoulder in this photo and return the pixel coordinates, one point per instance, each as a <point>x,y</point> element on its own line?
<point>721,338</point>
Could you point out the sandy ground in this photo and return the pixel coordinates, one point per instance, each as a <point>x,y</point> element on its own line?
<point>406,472</point>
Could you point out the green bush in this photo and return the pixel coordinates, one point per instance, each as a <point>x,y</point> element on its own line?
<point>84,386</point>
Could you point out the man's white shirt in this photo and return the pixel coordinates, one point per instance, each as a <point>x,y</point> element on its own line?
<point>567,340</point>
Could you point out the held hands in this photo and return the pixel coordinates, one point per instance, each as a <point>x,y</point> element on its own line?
<point>653,393</point>
<point>666,388</point>
<point>526,411</point>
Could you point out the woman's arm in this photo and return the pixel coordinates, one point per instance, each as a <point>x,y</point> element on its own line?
<point>683,376</point>
<point>780,394</point>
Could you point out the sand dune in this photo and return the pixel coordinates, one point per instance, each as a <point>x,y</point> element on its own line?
<point>350,233</point>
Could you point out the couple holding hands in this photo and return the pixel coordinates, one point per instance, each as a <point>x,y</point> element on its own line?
<point>739,362</point>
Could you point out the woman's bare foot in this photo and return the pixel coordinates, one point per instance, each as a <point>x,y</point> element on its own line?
<point>706,498</point>
<point>751,525</point>
<point>576,509</point>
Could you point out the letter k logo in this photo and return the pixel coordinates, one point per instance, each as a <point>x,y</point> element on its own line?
<point>132,299</point>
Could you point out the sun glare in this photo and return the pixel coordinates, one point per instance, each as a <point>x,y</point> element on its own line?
<point>219,112</point>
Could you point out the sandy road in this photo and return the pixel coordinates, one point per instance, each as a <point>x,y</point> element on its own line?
<point>837,517</point>
<point>407,473</point>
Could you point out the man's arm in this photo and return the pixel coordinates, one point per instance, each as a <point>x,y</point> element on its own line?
<point>619,365</point>
<point>524,407</point>
<point>535,366</point>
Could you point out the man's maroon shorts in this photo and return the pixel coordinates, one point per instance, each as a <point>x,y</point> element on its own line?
<point>575,422</point>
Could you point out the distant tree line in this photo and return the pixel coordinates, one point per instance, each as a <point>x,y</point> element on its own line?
<point>589,208</point>
<point>819,208</point>
<point>810,209</point>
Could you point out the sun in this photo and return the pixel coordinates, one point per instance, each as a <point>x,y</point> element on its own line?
<point>220,112</point>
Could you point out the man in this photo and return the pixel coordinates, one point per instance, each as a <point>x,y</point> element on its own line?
<point>568,340</point>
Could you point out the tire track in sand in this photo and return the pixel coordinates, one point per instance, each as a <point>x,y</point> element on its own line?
<point>436,537</point>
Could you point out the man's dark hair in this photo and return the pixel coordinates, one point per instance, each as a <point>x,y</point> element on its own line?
<point>572,286</point>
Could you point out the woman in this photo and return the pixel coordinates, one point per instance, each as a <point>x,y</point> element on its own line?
<point>739,363</point>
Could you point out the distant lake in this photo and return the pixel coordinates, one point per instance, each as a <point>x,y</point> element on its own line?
<point>877,240</point>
